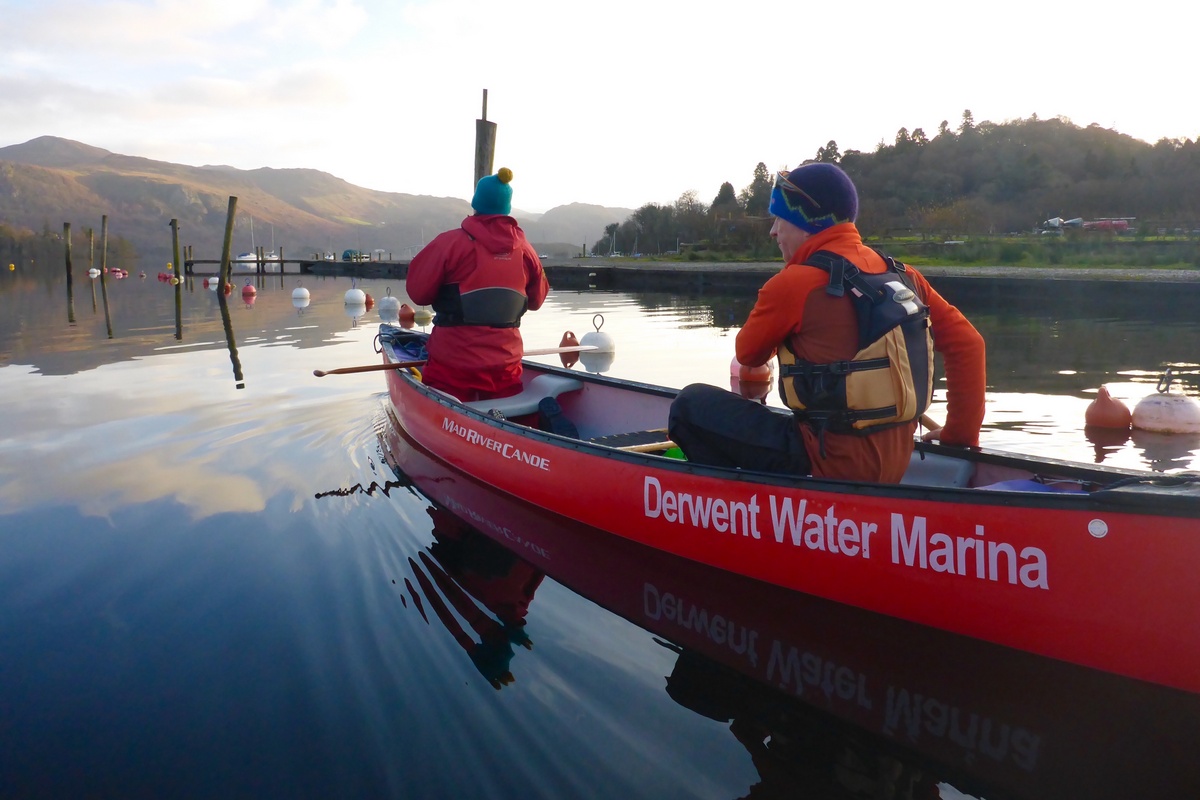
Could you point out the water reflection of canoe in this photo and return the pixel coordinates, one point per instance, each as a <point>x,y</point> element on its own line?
<point>870,698</point>
<point>1089,564</point>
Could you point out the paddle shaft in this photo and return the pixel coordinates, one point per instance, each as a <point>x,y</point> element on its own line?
<point>546,351</point>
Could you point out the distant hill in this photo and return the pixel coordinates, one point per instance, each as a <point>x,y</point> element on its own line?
<point>49,180</point>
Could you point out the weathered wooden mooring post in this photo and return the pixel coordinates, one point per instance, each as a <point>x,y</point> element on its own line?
<point>485,144</point>
<point>178,279</point>
<point>226,275</point>
<point>91,263</point>
<point>70,276</point>
<point>104,271</point>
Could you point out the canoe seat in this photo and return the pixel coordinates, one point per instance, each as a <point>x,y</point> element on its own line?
<point>931,469</point>
<point>527,401</point>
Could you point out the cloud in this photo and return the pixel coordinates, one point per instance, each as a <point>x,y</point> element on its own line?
<point>620,104</point>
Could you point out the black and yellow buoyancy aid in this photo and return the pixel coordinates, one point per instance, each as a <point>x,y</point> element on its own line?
<point>890,379</point>
<point>483,298</point>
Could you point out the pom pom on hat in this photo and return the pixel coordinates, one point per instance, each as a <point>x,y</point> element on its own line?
<point>493,195</point>
<point>814,197</point>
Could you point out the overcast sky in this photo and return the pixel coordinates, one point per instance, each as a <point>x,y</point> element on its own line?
<point>619,103</point>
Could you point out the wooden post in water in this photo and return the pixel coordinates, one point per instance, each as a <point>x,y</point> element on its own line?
<point>178,279</point>
<point>104,271</point>
<point>222,300</point>
<point>175,268</point>
<point>226,270</point>
<point>91,262</point>
<point>485,144</point>
<point>70,276</point>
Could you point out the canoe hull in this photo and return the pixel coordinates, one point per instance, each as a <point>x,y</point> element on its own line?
<point>1103,585</point>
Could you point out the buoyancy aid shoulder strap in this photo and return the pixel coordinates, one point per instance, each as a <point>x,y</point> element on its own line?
<point>892,264</point>
<point>836,266</point>
<point>843,273</point>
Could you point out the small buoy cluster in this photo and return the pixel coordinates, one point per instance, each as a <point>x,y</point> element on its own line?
<point>115,272</point>
<point>1163,411</point>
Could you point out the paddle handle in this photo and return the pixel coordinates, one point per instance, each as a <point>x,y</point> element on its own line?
<point>321,373</point>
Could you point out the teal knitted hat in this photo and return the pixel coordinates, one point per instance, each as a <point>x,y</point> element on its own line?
<point>493,195</point>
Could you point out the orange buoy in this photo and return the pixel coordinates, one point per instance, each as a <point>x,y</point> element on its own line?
<point>369,302</point>
<point>406,315</point>
<point>751,390</point>
<point>568,340</point>
<point>751,374</point>
<point>1107,411</point>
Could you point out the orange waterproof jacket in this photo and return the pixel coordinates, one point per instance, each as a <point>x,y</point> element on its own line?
<point>793,306</point>
<point>475,362</point>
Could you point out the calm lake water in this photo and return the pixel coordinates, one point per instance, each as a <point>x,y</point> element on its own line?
<point>221,576</point>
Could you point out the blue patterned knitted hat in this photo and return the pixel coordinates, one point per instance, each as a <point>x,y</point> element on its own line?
<point>814,197</point>
<point>493,195</point>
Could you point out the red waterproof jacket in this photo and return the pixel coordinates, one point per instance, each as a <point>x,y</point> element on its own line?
<point>793,306</point>
<point>487,268</point>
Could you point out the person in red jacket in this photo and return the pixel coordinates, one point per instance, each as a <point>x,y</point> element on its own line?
<point>480,279</point>
<point>807,316</point>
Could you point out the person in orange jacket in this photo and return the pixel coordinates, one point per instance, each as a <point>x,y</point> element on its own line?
<point>480,279</point>
<point>808,317</point>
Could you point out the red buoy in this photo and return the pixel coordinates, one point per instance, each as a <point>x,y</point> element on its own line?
<point>1107,411</point>
<point>568,340</point>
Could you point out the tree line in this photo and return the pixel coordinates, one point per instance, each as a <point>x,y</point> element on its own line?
<point>973,179</point>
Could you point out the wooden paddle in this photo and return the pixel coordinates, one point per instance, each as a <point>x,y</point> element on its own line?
<point>547,351</point>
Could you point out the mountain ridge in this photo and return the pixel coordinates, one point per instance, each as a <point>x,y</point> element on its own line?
<point>50,180</point>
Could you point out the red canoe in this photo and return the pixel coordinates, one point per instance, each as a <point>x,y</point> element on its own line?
<point>1091,565</point>
<point>990,720</point>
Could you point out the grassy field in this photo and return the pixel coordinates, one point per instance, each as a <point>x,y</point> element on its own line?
<point>1050,251</point>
